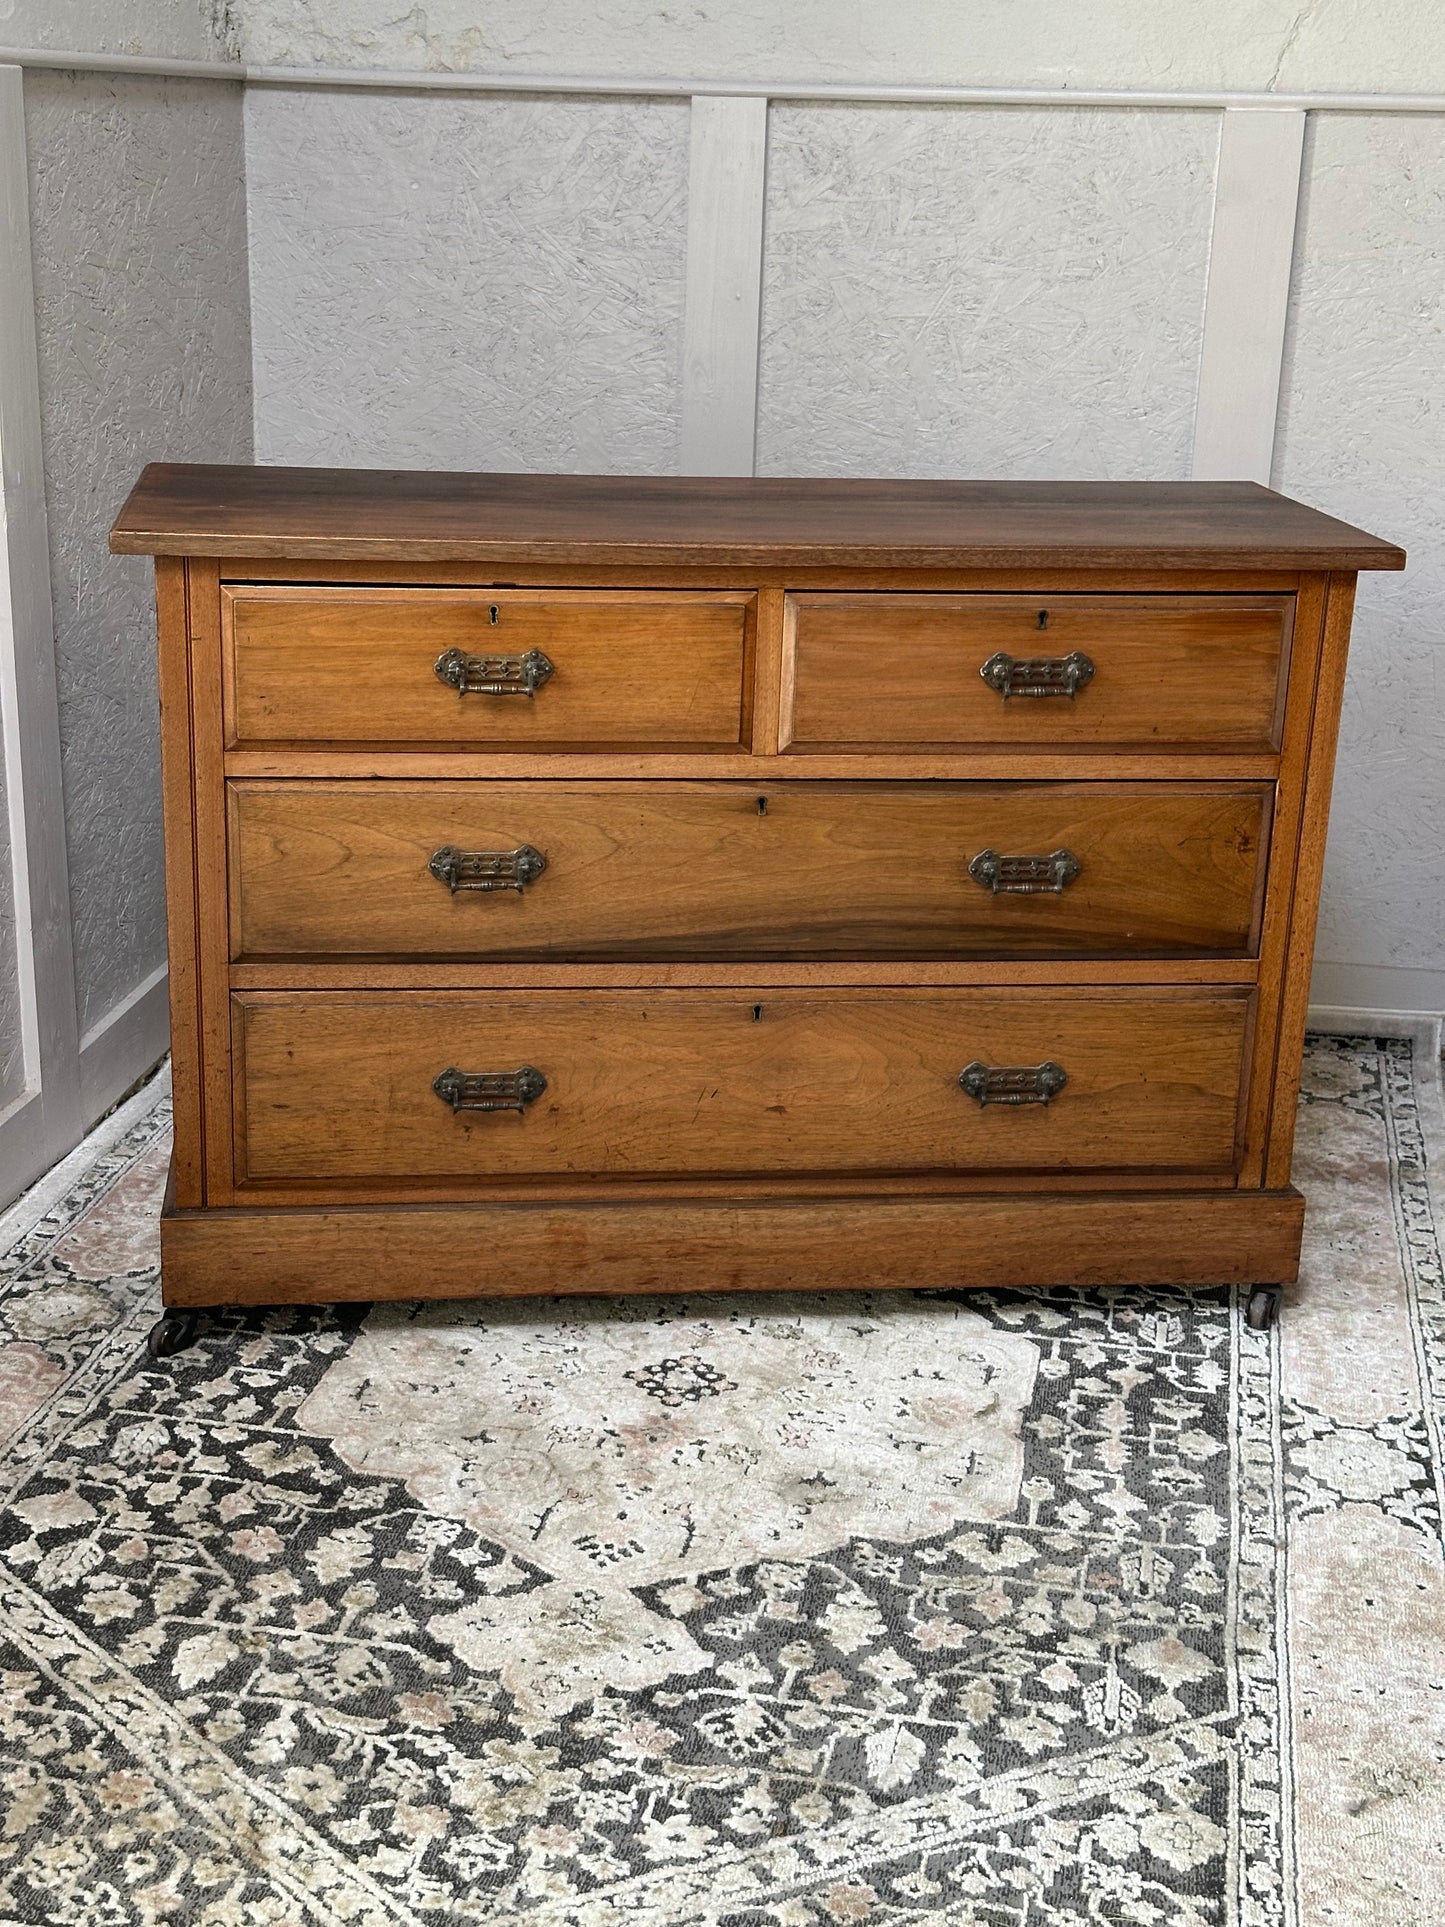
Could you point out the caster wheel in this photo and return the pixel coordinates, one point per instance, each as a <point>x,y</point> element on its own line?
<point>1262,1311</point>
<point>172,1333</point>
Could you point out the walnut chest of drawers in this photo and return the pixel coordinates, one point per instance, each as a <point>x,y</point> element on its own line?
<point>596,884</point>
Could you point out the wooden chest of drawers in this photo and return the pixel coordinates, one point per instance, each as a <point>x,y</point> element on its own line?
<point>593,884</point>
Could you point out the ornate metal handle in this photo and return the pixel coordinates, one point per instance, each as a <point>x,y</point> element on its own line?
<point>1038,675</point>
<point>1025,1084</point>
<point>490,1090</point>
<point>487,869</point>
<point>1023,876</point>
<point>494,675</point>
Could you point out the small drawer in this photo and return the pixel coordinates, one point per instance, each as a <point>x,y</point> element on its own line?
<point>452,1090</point>
<point>1118,672</point>
<point>665,871</point>
<point>517,669</point>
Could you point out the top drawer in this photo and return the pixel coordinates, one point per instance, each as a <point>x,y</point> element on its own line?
<point>910,672</point>
<point>515,669</point>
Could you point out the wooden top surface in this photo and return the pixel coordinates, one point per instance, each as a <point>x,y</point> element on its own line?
<point>415,516</point>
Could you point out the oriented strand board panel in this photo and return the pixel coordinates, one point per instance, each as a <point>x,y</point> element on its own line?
<point>1361,435</point>
<point>480,282</point>
<point>138,223</point>
<point>983,291</point>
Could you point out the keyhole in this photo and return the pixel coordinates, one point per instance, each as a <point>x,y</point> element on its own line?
<point>762,806</point>
<point>757,1013</point>
<point>496,615</point>
<point>1043,618</point>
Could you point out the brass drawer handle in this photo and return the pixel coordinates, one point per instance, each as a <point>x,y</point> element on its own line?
<point>1024,1084</point>
<point>494,675</point>
<point>487,869</point>
<point>490,1090</point>
<point>1038,675</point>
<point>1024,876</point>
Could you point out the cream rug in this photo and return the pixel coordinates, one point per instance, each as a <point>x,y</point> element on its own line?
<point>986,1609</point>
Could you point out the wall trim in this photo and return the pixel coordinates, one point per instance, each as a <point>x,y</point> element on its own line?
<point>427,80</point>
<point>47,1120</point>
<point>1251,254</point>
<point>1382,987</point>
<point>727,158</point>
<point>128,1041</point>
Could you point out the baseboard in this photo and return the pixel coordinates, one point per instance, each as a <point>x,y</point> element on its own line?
<point>1383,987</point>
<point>49,1182</point>
<point>126,1043</point>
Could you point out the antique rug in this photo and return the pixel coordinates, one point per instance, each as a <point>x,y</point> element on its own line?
<point>985,1609</point>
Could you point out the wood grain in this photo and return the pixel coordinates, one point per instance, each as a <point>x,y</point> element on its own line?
<point>901,672</point>
<point>178,785</point>
<point>179,509</point>
<point>715,870</point>
<point>339,1087</point>
<point>358,666</point>
<point>1314,814</point>
<point>276,1256</point>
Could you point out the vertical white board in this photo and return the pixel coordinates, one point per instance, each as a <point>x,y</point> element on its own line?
<point>1255,207</point>
<point>44,1119</point>
<point>726,166</point>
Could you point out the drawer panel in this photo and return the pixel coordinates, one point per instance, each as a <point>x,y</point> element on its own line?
<point>338,1088</point>
<point>723,870</point>
<point>606,669</point>
<point>904,672</point>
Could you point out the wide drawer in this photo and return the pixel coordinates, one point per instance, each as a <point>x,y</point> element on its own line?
<point>486,669</point>
<point>344,1088</point>
<point>592,871</point>
<point>909,672</point>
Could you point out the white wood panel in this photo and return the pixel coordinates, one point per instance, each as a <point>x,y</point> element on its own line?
<point>1255,207</point>
<point>726,167</point>
<point>47,1119</point>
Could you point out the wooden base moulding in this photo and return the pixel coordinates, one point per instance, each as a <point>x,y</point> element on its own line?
<point>261,1256</point>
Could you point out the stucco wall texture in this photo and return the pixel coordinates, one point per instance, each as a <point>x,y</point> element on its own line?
<point>993,292</point>
<point>1362,434</point>
<point>467,283</point>
<point>178,29</point>
<point>1364,45</point>
<point>138,225</point>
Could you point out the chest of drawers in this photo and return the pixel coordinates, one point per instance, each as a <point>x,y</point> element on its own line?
<point>596,884</point>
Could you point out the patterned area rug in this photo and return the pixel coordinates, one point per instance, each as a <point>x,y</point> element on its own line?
<point>987,1609</point>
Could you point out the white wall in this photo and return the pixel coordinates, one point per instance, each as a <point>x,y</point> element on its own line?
<point>138,238</point>
<point>988,292</point>
<point>1362,434</point>
<point>1362,45</point>
<point>179,29</point>
<point>502,281</point>
<point>467,283</point>
<point>124,338</point>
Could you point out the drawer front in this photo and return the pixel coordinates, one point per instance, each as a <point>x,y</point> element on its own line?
<point>342,1088</point>
<point>486,669</point>
<point>908,672</point>
<point>596,871</point>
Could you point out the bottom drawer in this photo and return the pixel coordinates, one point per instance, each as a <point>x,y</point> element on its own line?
<point>342,1088</point>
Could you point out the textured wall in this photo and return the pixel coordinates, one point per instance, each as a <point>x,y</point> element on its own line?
<point>471,283</point>
<point>12,1063</point>
<point>1366,44</point>
<point>1361,436</point>
<point>983,291</point>
<point>139,235</point>
<point>182,29</point>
